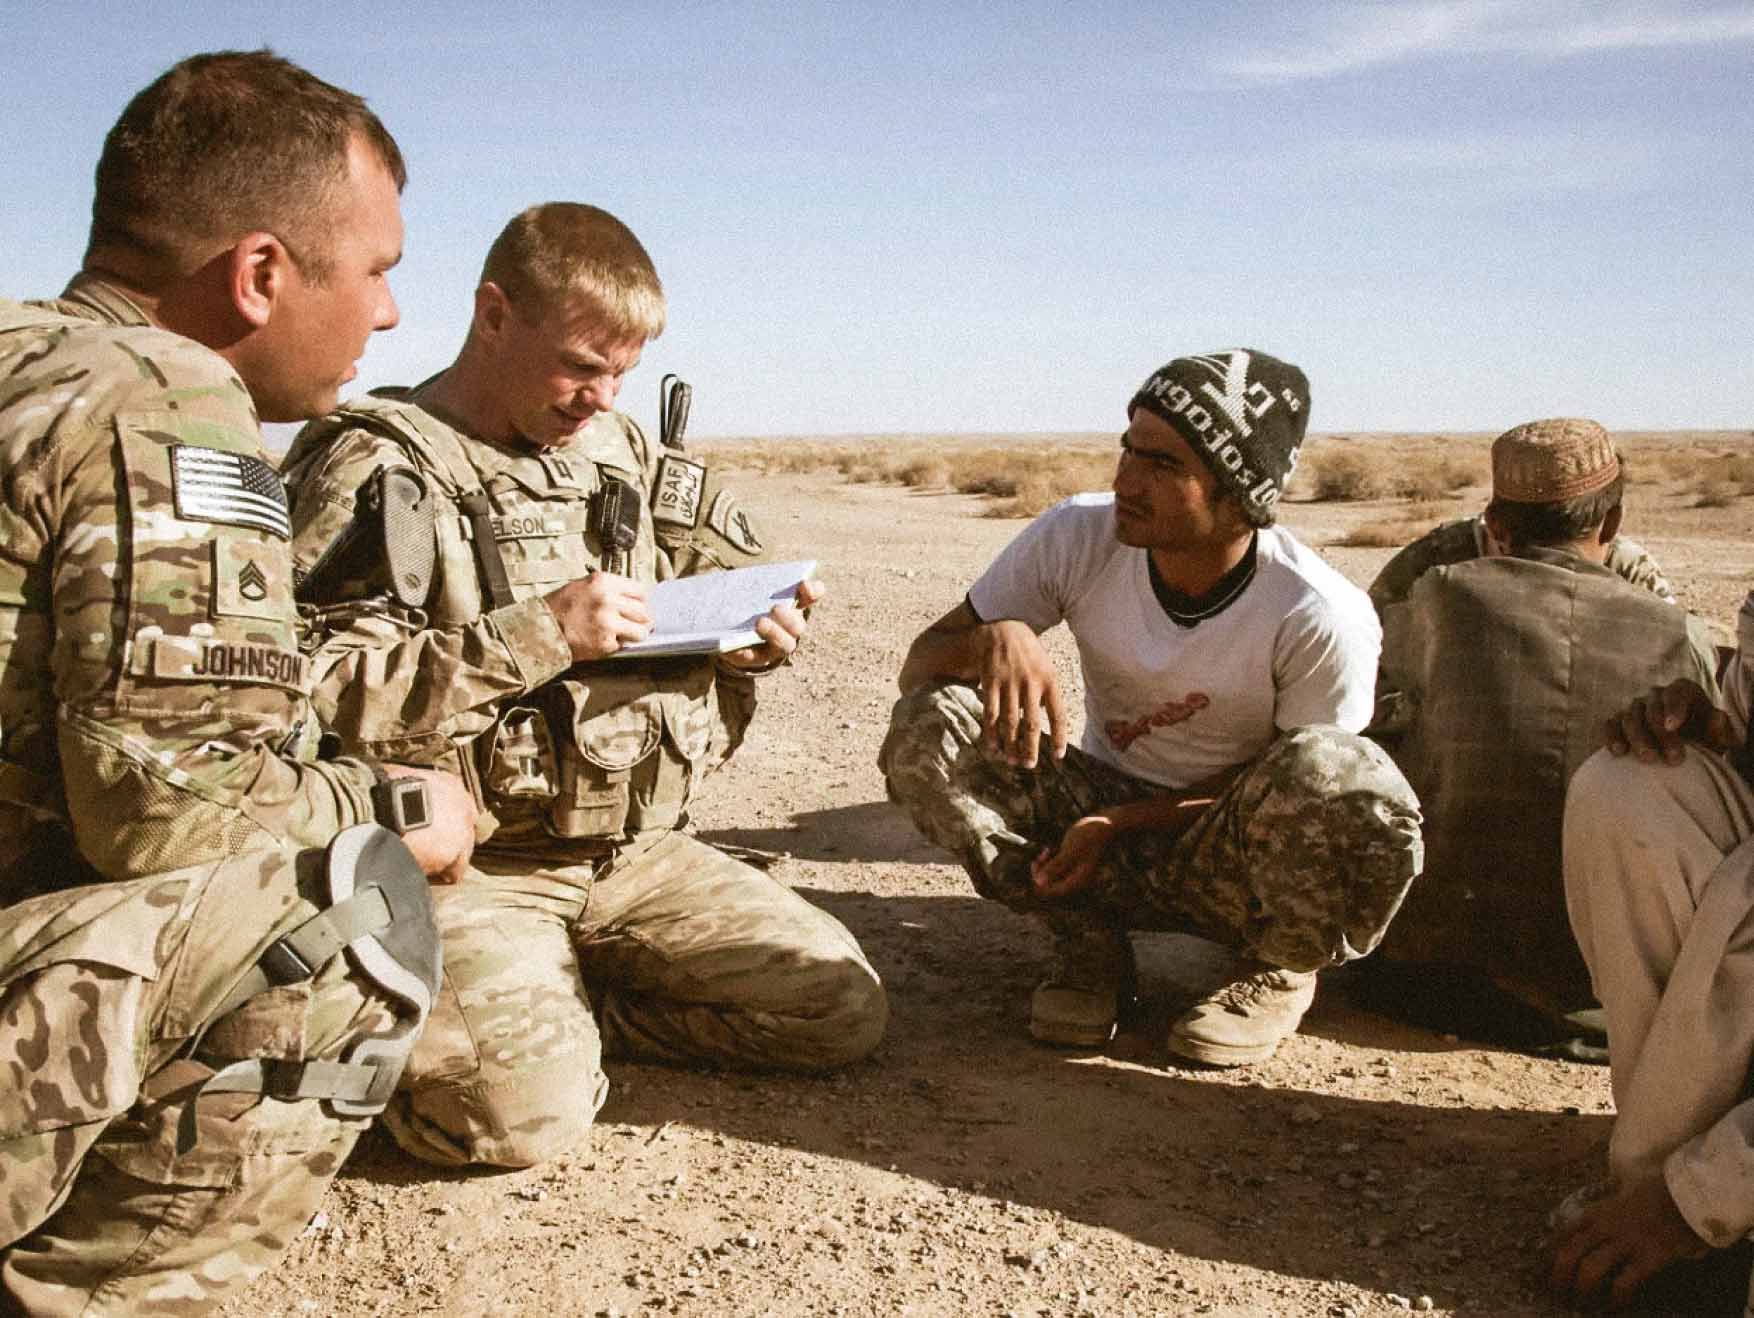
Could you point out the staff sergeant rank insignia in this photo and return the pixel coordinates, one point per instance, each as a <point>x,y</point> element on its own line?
<point>252,585</point>
<point>215,486</point>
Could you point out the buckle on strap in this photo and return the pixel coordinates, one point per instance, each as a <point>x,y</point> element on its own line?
<point>360,1088</point>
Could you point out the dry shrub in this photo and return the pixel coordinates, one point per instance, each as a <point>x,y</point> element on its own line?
<point>920,472</point>
<point>1389,533</point>
<point>1712,493</point>
<point>1346,475</point>
<point>1359,473</point>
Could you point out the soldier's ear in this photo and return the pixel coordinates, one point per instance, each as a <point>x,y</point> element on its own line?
<point>257,270</point>
<point>493,309</point>
<point>1610,525</point>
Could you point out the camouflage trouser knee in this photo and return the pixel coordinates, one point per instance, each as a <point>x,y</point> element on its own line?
<point>673,952</point>
<point>103,989</point>
<point>1301,862</point>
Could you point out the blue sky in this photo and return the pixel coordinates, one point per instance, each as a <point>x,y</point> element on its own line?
<point>884,218</point>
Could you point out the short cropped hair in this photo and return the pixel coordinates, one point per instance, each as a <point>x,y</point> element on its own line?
<point>224,144</point>
<point>564,252</point>
<point>1559,522</point>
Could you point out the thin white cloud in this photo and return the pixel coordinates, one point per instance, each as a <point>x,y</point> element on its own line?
<point>1345,38</point>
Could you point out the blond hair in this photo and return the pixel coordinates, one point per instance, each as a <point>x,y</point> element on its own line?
<point>564,252</point>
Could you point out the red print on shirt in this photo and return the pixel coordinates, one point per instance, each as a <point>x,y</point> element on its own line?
<point>1122,733</point>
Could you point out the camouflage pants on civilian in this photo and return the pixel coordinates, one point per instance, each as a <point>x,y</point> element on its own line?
<point>669,951</point>
<point>1300,863</point>
<point>102,990</point>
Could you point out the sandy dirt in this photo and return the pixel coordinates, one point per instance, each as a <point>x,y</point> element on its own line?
<point>1369,1168</point>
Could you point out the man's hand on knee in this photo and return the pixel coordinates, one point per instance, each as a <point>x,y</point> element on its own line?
<point>1619,1244</point>
<point>1660,725</point>
<point>443,847</point>
<point>1017,685</point>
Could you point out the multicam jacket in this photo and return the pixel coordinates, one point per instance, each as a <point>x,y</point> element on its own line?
<point>153,697</point>
<point>1465,539</point>
<point>593,751</point>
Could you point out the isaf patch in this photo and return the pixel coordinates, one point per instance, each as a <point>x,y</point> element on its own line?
<point>212,485</point>
<point>728,518</point>
<point>676,498</point>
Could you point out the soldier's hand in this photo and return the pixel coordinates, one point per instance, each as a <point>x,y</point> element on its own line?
<point>1017,684</point>
<point>1072,866</point>
<point>444,846</point>
<point>1659,726</point>
<point>784,626</point>
<point>1619,1244</point>
<point>600,613</point>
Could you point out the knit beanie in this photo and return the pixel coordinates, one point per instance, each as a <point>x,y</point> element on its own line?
<point>1243,412</point>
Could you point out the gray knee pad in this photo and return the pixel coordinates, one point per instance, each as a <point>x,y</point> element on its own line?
<point>378,914</point>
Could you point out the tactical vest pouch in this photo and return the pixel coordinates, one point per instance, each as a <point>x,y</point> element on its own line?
<point>607,731</point>
<point>520,762</point>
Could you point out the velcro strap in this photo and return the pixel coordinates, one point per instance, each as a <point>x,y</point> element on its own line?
<point>291,1081</point>
<point>296,956</point>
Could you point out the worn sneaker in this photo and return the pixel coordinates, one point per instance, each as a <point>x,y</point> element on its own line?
<point>1079,1005</point>
<point>1245,1019</point>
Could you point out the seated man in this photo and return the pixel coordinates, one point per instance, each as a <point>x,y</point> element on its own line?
<point>1468,538</point>
<point>1496,675</point>
<point>1220,789</point>
<point>1659,881</point>
<point>592,923</point>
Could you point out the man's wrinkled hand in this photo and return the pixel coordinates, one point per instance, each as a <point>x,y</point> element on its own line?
<point>1659,726</point>
<point>443,847</point>
<point>1017,685</point>
<point>782,629</point>
<point>1073,865</point>
<point>1620,1243</point>
<point>600,613</point>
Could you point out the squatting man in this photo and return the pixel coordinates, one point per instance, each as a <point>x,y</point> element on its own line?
<point>1220,787</point>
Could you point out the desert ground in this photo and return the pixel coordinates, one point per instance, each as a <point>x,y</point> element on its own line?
<point>1369,1168</point>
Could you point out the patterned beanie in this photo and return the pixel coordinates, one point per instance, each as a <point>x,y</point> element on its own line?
<point>1244,412</point>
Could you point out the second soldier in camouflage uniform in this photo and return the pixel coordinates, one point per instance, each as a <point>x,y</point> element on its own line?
<point>1220,788</point>
<point>592,924</point>
<point>186,1051</point>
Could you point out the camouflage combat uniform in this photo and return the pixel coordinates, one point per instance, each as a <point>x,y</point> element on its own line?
<point>1300,863</point>
<point>156,785</point>
<point>1464,539</point>
<point>591,923</point>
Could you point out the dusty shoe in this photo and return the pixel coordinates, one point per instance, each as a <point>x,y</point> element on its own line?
<point>1080,1003</point>
<point>1244,1020</point>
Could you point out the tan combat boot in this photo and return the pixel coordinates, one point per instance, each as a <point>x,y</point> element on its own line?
<point>1244,1019</point>
<point>1078,1005</point>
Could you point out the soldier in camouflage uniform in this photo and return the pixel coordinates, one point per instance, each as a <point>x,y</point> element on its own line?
<point>1496,674</point>
<point>1220,788</point>
<point>198,1010</point>
<point>592,924</point>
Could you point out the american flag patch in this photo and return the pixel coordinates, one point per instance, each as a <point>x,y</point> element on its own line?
<point>215,486</point>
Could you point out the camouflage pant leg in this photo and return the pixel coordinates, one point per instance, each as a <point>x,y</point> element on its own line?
<point>973,804</point>
<point>694,956</point>
<point>508,1071</point>
<point>1301,863</point>
<point>113,986</point>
